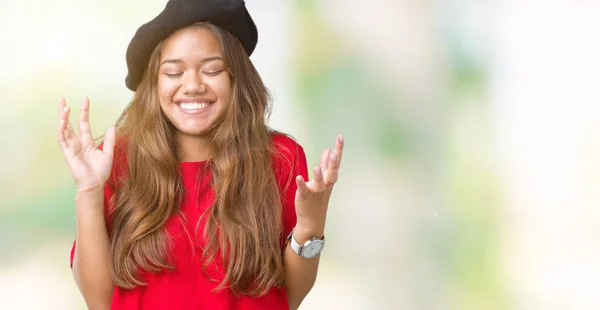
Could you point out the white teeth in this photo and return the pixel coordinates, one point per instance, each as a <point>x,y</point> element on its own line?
<point>194,105</point>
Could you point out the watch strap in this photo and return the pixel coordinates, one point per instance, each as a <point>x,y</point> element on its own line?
<point>297,247</point>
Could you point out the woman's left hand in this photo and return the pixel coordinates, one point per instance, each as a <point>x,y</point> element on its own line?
<point>312,197</point>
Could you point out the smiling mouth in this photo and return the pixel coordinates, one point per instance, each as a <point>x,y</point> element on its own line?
<point>194,106</point>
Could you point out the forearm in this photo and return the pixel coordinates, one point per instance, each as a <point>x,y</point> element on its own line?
<point>91,259</point>
<point>300,273</point>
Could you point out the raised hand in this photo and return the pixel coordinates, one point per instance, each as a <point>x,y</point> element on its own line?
<point>90,166</point>
<point>312,197</point>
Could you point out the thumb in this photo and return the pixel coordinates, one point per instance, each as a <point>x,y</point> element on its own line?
<point>302,187</point>
<point>109,141</point>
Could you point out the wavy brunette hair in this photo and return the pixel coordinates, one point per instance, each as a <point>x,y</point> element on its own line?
<point>243,226</point>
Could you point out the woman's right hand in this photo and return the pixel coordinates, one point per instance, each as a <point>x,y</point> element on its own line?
<point>90,166</point>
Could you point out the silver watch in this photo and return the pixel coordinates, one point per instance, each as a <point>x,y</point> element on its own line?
<point>309,249</point>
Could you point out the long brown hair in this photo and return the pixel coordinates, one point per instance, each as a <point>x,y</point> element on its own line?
<point>243,227</point>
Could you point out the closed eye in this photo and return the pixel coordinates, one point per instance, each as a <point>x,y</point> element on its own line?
<point>212,73</point>
<point>173,75</point>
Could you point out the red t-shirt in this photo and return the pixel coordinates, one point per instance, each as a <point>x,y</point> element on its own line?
<point>186,287</point>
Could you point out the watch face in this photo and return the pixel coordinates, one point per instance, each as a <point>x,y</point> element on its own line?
<point>312,249</point>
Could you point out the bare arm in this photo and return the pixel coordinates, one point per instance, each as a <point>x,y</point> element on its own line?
<point>300,273</point>
<point>90,168</point>
<point>311,202</point>
<point>91,267</point>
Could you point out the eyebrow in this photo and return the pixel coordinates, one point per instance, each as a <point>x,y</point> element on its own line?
<point>179,61</point>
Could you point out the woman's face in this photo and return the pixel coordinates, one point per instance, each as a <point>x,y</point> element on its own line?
<point>194,86</point>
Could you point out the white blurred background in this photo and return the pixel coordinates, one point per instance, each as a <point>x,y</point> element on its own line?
<point>471,173</point>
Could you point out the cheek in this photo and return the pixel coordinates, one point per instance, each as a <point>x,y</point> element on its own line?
<point>222,88</point>
<point>166,88</point>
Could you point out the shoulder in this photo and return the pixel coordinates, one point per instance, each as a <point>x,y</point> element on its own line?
<point>289,159</point>
<point>283,141</point>
<point>286,147</point>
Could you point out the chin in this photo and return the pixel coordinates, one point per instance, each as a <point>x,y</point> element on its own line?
<point>195,132</point>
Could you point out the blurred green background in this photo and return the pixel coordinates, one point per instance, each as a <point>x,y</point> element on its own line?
<point>470,177</point>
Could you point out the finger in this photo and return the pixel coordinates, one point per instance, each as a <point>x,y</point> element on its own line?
<point>64,112</point>
<point>302,188</point>
<point>62,124</point>
<point>324,158</point>
<point>62,141</point>
<point>332,172</point>
<point>318,179</point>
<point>339,148</point>
<point>334,161</point>
<point>84,117</point>
<point>61,106</point>
<point>69,132</point>
<point>109,141</point>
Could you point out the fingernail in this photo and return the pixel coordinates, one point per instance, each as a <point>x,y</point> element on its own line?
<point>299,178</point>
<point>333,156</point>
<point>318,170</point>
<point>341,137</point>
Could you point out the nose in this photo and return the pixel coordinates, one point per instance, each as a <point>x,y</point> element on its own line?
<point>192,84</point>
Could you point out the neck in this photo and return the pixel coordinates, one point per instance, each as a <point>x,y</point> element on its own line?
<point>194,148</point>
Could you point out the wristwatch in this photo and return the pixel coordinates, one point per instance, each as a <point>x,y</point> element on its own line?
<point>309,249</point>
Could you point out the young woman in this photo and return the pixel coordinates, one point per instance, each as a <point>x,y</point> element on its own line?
<point>191,201</point>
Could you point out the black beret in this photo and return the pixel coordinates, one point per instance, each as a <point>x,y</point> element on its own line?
<point>229,15</point>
